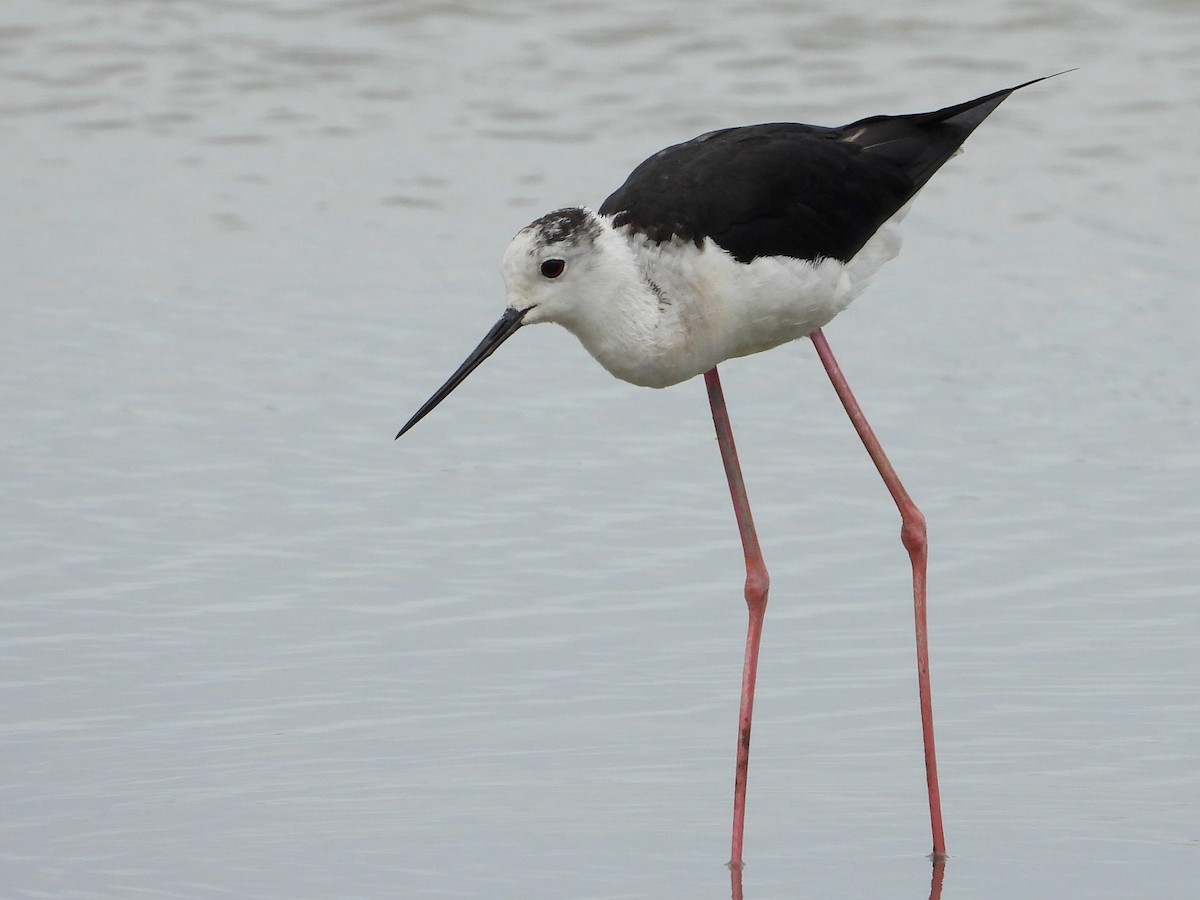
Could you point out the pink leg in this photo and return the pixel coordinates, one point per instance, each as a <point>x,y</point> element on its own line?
<point>757,583</point>
<point>938,877</point>
<point>912,533</point>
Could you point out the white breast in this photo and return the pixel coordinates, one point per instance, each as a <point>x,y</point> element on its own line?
<point>714,308</point>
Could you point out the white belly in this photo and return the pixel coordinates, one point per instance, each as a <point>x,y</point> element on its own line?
<point>715,308</point>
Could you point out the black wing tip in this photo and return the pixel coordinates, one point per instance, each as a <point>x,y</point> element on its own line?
<point>1003,94</point>
<point>969,112</point>
<point>973,112</point>
<point>1045,77</point>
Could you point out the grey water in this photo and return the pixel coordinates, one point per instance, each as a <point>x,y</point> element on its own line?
<point>250,647</point>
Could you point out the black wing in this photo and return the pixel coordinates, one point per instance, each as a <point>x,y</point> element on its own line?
<point>783,189</point>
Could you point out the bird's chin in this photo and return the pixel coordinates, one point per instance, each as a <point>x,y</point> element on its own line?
<point>535,314</point>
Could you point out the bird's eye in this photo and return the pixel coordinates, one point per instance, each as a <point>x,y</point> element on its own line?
<point>552,268</point>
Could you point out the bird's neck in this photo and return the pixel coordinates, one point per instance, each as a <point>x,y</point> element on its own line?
<point>624,322</point>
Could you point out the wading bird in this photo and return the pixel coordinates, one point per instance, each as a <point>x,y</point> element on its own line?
<point>729,244</point>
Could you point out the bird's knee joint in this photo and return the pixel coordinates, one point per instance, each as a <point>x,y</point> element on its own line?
<point>912,531</point>
<point>757,586</point>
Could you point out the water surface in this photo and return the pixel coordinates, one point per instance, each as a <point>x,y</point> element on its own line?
<point>250,647</point>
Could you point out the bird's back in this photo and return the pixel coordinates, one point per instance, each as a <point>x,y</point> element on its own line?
<point>784,189</point>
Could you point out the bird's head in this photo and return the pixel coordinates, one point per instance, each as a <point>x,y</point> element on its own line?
<point>549,270</point>
<point>550,266</point>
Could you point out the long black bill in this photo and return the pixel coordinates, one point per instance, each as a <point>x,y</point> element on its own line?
<point>501,332</point>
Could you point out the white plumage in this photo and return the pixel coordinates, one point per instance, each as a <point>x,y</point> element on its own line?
<point>656,314</point>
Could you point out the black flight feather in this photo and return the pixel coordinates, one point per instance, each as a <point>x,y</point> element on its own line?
<point>803,191</point>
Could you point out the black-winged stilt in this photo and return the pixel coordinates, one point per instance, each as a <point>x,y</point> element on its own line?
<point>729,244</point>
